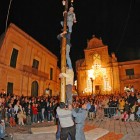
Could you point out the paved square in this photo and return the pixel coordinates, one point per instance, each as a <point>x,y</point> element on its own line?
<point>95,133</point>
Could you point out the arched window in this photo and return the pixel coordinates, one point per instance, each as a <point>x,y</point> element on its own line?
<point>34,89</point>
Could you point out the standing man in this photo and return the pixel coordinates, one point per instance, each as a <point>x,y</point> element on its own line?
<point>80,116</point>
<point>66,122</point>
<point>69,84</point>
<point>71,18</point>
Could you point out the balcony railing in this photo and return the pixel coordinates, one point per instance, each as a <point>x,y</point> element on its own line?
<point>35,72</point>
<point>130,77</point>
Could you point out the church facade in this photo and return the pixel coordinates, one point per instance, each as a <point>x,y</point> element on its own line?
<point>26,67</point>
<point>101,73</point>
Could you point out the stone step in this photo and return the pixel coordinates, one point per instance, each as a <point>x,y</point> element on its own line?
<point>42,133</point>
<point>41,136</point>
<point>40,130</point>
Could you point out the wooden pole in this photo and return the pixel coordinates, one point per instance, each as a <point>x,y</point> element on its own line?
<point>63,57</point>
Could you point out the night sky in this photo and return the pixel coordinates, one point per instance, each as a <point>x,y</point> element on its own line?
<point>117,22</point>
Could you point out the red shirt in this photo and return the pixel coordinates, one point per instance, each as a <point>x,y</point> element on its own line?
<point>34,110</point>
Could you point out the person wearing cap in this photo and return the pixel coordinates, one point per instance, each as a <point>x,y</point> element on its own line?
<point>66,122</point>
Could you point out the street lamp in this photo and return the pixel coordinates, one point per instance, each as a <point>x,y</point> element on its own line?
<point>105,86</point>
<point>92,84</point>
<point>91,76</point>
<point>92,80</point>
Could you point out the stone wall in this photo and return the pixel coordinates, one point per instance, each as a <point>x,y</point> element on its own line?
<point>23,75</point>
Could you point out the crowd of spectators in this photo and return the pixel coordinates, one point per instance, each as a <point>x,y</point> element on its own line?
<point>21,110</point>
<point>42,108</point>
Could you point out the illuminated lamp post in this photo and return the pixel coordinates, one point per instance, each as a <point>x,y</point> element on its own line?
<point>92,81</point>
<point>105,83</point>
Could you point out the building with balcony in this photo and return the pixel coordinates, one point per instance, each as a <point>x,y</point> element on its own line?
<point>100,72</point>
<point>26,67</point>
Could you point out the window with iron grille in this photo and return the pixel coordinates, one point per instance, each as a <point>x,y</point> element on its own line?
<point>35,64</point>
<point>14,56</point>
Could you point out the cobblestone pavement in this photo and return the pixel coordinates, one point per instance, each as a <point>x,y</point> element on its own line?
<point>117,129</point>
<point>112,135</point>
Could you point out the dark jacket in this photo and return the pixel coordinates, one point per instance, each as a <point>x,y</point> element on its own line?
<point>92,109</point>
<point>67,36</point>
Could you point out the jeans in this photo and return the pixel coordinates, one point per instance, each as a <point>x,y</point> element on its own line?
<point>106,112</point>
<point>91,115</point>
<point>43,111</point>
<point>58,131</point>
<point>68,94</point>
<point>39,116</point>
<point>80,132</point>
<point>69,24</point>
<point>2,131</point>
<point>50,116</point>
<point>34,118</point>
<point>68,56</point>
<point>28,120</point>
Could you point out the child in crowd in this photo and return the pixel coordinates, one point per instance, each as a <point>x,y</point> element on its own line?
<point>124,116</point>
<point>12,121</point>
<point>21,116</point>
<point>117,115</point>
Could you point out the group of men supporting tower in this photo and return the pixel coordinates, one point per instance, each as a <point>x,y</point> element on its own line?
<point>71,121</point>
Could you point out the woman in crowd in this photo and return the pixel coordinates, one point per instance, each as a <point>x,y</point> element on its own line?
<point>117,115</point>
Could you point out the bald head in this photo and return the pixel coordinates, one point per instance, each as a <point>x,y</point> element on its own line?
<point>71,9</point>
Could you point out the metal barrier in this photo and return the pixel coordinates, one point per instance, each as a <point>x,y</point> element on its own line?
<point>110,111</point>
